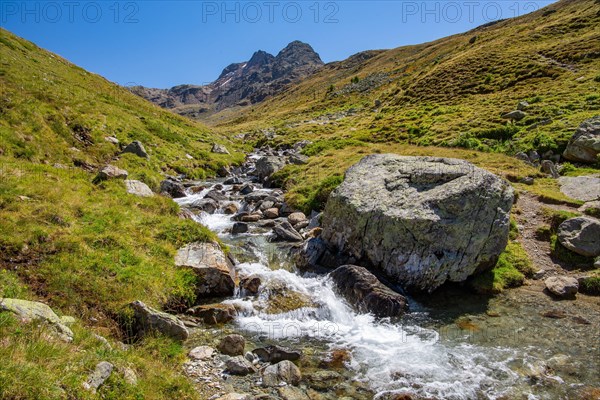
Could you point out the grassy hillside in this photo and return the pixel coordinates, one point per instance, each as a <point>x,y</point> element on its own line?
<point>88,249</point>
<point>452,92</point>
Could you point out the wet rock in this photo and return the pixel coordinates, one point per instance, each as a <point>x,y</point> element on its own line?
<point>562,286</point>
<point>515,115</point>
<point>292,393</point>
<point>33,310</point>
<point>580,235</point>
<point>213,314</point>
<point>196,189</point>
<point>549,168</point>
<point>363,290</point>
<point>137,148</point>
<point>239,366</point>
<point>207,205</point>
<point>268,165</point>
<point>212,267</point>
<point>286,232</point>
<point>172,188</point>
<point>246,189</point>
<point>239,227</point>
<point>138,188</point>
<point>255,217</point>
<point>584,188</point>
<point>234,180</point>
<point>232,345</point>
<point>223,171</point>
<point>422,220</point>
<point>256,196</point>
<point>282,372</point>
<point>148,320</point>
<point>201,353</point>
<point>275,354</point>
<point>111,172</point>
<point>99,376</point>
<point>584,146</point>
<point>251,284</point>
<point>219,149</point>
<point>216,195</point>
<point>271,213</point>
<point>230,209</point>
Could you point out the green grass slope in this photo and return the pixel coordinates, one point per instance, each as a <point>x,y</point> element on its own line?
<point>88,249</point>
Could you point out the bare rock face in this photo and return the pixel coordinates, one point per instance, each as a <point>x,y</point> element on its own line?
<point>422,220</point>
<point>148,320</point>
<point>212,267</point>
<point>584,146</point>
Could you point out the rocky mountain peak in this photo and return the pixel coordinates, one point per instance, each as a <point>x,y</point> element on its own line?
<point>259,59</point>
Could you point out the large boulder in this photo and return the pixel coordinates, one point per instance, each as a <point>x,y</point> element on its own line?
<point>364,291</point>
<point>212,267</point>
<point>33,310</point>
<point>111,172</point>
<point>147,320</point>
<point>172,188</point>
<point>268,165</point>
<point>562,286</point>
<point>284,372</point>
<point>584,188</point>
<point>422,220</point>
<point>580,235</point>
<point>286,232</point>
<point>584,146</point>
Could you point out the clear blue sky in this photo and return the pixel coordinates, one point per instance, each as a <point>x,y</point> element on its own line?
<point>162,44</point>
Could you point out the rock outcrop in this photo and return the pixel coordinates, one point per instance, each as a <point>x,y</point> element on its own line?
<point>212,267</point>
<point>364,291</point>
<point>136,147</point>
<point>147,320</point>
<point>584,146</point>
<point>580,235</point>
<point>422,220</point>
<point>33,310</point>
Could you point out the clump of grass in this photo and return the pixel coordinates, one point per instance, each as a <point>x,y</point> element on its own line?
<point>590,285</point>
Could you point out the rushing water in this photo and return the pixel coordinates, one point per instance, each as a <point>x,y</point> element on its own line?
<point>446,348</point>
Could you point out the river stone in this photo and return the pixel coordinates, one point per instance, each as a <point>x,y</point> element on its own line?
<point>232,345</point>
<point>271,213</point>
<point>250,284</point>
<point>239,227</point>
<point>580,235</point>
<point>99,376</point>
<point>286,232</point>
<point>364,291</point>
<point>422,220</point>
<point>33,310</point>
<point>138,188</point>
<point>297,217</point>
<point>268,165</point>
<point>172,188</point>
<point>275,354</point>
<point>212,267</point>
<point>584,188</point>
<point>148,320</point>
<point>283,372</point>
<point>137,148</point>
<point>239,366</point>
<point>201,353</point>
<point>213,314</point>
<point>562,286</point>
<point>207,205</point>
<point>584,146</point>
<point>246,189</point>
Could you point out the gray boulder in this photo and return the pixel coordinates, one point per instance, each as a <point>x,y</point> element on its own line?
<point>515,115</point>
<point>364,291</point>
<point>239,366</point>
<point>584,188</point>
<point>549,168</point>
<point>148,320</point>
<point>111,172</point>
<point>584,146</point>
<point>219,149</point>
<point>239,227</point>
<point>138,188</point>
<point>207,205</point>
<point>137,148</point>
<point>580,235</point>
<point>286,232</point>
<point>99,376</point>
<point>562,286</point>
<point>422,220</point>
<point>282,372</point>
<point>33,310</point>
<point>174,189</point>
<point>268,165</point>
<point>212,267</point>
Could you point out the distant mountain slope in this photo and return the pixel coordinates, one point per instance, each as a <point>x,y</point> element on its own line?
<point>240,83</point>
<point>452,91</point>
